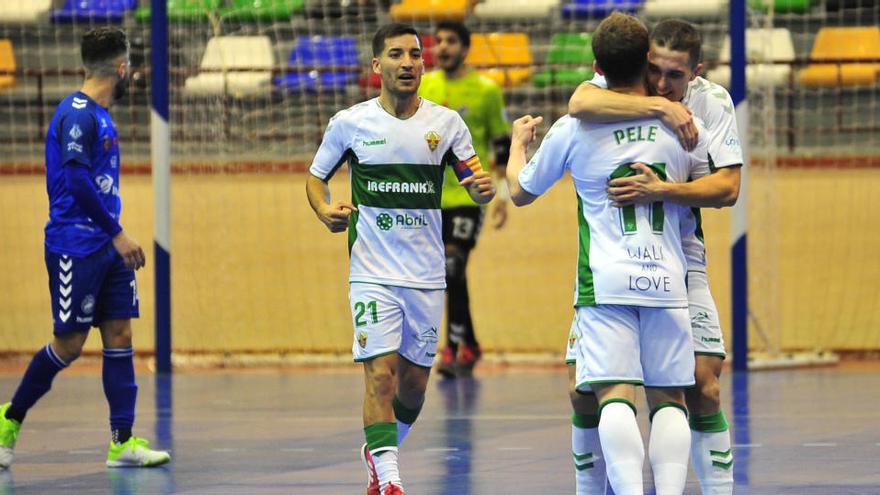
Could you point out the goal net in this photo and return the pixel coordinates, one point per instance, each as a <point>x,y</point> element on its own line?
<point>253,85</point>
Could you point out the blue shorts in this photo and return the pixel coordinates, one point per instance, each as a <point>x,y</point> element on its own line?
<point>87,291</point>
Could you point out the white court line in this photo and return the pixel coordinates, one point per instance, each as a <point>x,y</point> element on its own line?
<point>514,448</point>
<point>747,445</point>
<point>820,444</point>
<point>442,449</point>
<point>79,452</point>
<point>301,450</point>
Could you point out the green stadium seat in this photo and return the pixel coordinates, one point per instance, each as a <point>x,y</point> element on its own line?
<point>781,6</point>
<point>571,49</point>
<point>262,10</point>
<point>182,10</point>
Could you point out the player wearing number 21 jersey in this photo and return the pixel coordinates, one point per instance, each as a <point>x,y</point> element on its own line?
<point>397,147</point>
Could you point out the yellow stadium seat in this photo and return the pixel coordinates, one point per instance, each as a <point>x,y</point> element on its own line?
<point>430,10</point>
<point>506,58</point>
<point>7,63</point>
<point>836,43</point>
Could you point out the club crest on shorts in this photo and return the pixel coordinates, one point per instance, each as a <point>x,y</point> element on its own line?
<point>88,304</point>
<point>362,339</point>
<point>572,339</point>
<point>433,139</point>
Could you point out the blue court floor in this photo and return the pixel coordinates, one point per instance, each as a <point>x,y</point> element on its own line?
<point>503,432</point>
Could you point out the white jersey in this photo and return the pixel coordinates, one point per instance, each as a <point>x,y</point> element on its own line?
<point>713,105</point>
<point>630,256</point>
<point>397,166</point>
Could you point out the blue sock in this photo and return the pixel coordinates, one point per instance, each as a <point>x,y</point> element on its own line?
<point>37,380</point>
<point>121,391</point>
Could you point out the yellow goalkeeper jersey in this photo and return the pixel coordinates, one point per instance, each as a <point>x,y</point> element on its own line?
<point>480,103</point>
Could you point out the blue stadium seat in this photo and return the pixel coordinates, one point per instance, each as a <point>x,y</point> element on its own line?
<point>596,9</point>
<point>327,63</point>
<point>93,10</point>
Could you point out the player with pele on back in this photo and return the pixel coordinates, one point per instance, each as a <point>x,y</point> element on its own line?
<point>91,261</point>
<point>673,65</point>
<point>631,319</point>
<point>397,147</point>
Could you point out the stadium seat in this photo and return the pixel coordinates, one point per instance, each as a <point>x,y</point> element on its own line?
<point>514,9</point>
<point>261,10</point>
<point>332,64</point>
<point>93,10</point>
<point>575,52</point>
<point>596,9</point>
<point>837,43</point>
<point>7,63</point>
<point>430,10</point>
<point>253,53</point>
<point>686,9</point>
<point>838,5</point>
<point>506,58</point>
<point>763,46</point>
<point>24,12</point>
<point>364,9</point>
<point>182,10</point>
<point>781,6</point>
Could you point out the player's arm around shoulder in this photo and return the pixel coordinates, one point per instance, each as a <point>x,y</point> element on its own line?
<point>593,103</point>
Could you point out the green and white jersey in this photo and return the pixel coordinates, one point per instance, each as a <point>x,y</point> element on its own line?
<point>396,166</point>
<point>629,256</point>
<point>713,105</point>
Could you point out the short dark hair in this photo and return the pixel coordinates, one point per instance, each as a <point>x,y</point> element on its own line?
<point>679,36</point>
<point>460,30</point>
<point>620,44</point>
<point>392,30</point>
<point>100,46</point>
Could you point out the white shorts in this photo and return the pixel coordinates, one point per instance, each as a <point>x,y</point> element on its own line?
<point>391,319</point>
<point>706,327</point>
<point>633,344</point>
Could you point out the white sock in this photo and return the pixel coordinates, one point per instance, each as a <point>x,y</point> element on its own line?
<point>589,461</point>
<point>669,450</point>
<point>402,432</point>
<point>712,455</point>
<point>623,448</point>
<point>387,469</point>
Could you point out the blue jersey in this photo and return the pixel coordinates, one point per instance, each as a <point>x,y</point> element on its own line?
<point>81,131</point>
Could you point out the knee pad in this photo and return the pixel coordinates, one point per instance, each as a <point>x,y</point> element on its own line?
<point>455,266</point>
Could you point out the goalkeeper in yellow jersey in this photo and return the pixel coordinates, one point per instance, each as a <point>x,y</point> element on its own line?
<point>480,103</point>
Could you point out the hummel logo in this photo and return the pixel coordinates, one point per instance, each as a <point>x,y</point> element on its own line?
<point>79,103</point>
<point>375,142</point>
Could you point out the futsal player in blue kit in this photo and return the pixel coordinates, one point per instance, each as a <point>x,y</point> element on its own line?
<point>90,259</point>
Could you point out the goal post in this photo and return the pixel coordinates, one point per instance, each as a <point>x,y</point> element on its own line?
<point>160,153</point>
